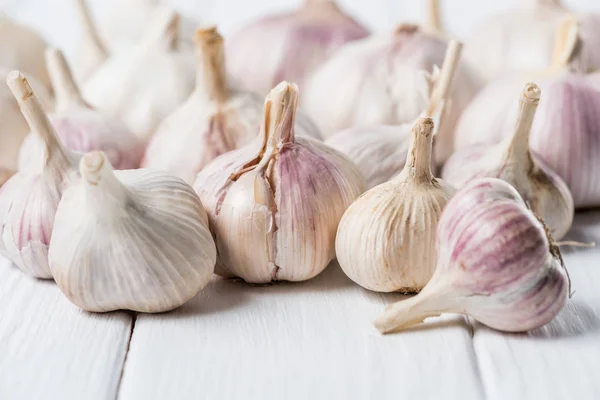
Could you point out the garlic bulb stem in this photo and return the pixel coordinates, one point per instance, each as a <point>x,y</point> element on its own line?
<point>518,145</point>
<point>433,22</point>
<point>90,32</point>
<point>443,85</point>
<point>35,116</point>
<point>66,91</point>
<point>418,161</point>
<point>165,30</point>
<point>211,64</point>
<point>541,3</point>
<point>100,183</point>
<point>280,113</point>
<point>566,42</point>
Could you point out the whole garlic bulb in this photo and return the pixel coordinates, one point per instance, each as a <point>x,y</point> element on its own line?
<point>513,162</point>
<point>22,48</point>
<point>213,121</point>
<point>143,86</point>
<point>289,46</point>
<point>13,127</point>
<point>377,81</point>
<point>386,239</point>
<point>80,127</point>
<point>135,240</point>
<point>495,263</point>
<point>274,206</point>
<point>28,200</point>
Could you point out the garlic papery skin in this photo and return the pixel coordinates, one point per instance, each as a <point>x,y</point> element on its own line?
<point>274,205</point>
<point>512,161</point>
<point>386,239</point>
<point>80,127</point>
<point>143,86</point>
<point>496,263</point>
<point>28,200</point>
<point>22,48</point>
<point>376,81</point>
<point>135,240</point>
<point>92,52</point>
<point>289,46</point>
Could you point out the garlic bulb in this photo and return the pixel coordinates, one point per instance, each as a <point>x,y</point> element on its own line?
<point>143,86</point>
<point>274,206</point>
<point>80,127</point>
<point>523,39</point>
<point>513,162</point>
<point>213,121</point>
<point>386,238</point>
<point>92,51</point>
<point>13,127</point>
<point>496,263</point>
<point>566,132</point>
<point>377,81</point>
<point>289,46</point>
<point>29,199</point>
<point>135,240</point>
<point>22,48</point>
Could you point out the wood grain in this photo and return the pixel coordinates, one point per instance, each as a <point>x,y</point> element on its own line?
<point>49,349</point>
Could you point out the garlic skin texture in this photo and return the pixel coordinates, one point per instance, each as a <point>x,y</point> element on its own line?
<point>214,120</point>
<point>80,127</point>
<point>274,205</point>
<point>289,46</point>
<point>512,161</point>
<point>134,240</point>
<point>496,263</point>
<point>143,86</point>
<point>22,48</point>
<point>28,200</point>
<point>386,239</point>
<point>377,81</point>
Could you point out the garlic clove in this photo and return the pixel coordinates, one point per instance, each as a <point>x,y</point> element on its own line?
<point>134,239</point>
<point>386,238</point>
<point>80,127</point>
<point>93,51</point>
<point>274,205</point>
<point>513,161</point>
<point>289,46</point>
<point>496,263</point>
<point>28,200</point>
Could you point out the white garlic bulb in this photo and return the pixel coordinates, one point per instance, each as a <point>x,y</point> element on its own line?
<point>13,127</point>
<point>496,263</point>
<point>92,51</point>
<point>143,86</point>
<point>22,48</point>
<point>214,120</point>
<point>28,200</point>
<point>274,205</point>
<point>523,39</point>
<point>386,238</point>
<point>135,240</point>
<point>289,46</point>
<point>513,162</point>
<point>377,81</point>
<point>80,127</point>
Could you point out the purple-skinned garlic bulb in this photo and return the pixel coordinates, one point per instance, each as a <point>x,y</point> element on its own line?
<point>496,263</point>
<point>386,239</point>
<point>79,126</point>
<point>274,205</point>
<point>29,199</point>
<point>289,46</point>
<point>513,161</point>
<point>214,120</point>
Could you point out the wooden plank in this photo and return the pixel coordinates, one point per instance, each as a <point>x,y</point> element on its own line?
<point>560,360</point>
<point>49,349</point>
<point>311,340</point>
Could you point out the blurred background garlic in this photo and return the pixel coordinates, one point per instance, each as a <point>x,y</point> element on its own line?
<point>512,161</point>
<point>274,206</point>
<point>28,200</point>
<point>523,39</point>
<point>386,239</point>
<point>214,120</point>
<point>135,240</point>
<point>376,81</point>
<point>496,263</point>
<point>143,86</point>
<point>92,51</point>
<point>289,46</point>
<point>80,127</point>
